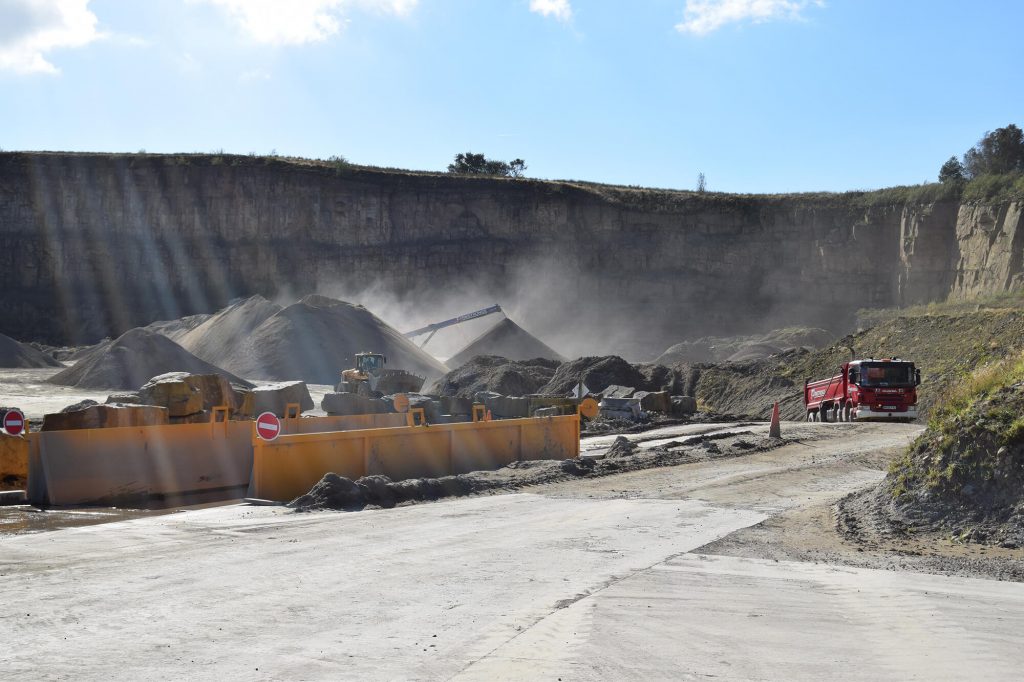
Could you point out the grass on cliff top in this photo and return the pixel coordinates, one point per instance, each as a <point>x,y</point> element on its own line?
<point>1006,301</point>
<point>986,188</point>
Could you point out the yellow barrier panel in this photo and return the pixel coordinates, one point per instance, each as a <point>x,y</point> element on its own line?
<point>93,466</point>
<point>126,464</point>
<point>13,458</point>
<point>289,466</point>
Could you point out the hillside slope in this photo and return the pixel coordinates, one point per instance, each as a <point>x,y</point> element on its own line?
<point>945,347</point>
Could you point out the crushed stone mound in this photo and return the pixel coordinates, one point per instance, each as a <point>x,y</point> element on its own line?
<point>496,375</point>
<point>313,340</point>
<point>598,373</point>
<point>963,477</point>
<point>176,329</point>
<point>15,354</point>
<point>507,340</point>
<point>222,337</point>
<point>133,359</point>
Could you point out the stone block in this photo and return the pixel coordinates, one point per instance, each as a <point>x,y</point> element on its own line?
<point>351,403</point>
<point>244,403</point>
<point>654,401</point>
<point>456,406</point>
<point>106,416</point>
<point>506,407</point>
<point>275,397</point>
<point>124,399</point>
<point>683,405</point>
<point>615,391</point>
<point>174,392</point>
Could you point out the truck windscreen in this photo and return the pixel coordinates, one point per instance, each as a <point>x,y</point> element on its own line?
<point>887,374</point>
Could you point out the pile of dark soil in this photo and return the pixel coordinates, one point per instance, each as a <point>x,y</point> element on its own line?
<point>508,340</point>
<point>622,447</point>
<point>18,355</point>
<point>598,373</point>
<point>131,360</point>
<point>963,477</point>
<point>334,492</point>
<point>497,375</point>
<point>312,340</point>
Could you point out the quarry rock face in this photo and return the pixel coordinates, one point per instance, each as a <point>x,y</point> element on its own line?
<point>991,247</point>
<point>95,244</point>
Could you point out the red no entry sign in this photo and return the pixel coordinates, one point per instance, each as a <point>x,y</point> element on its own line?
<point>268,426</point>
<point>14,422</point>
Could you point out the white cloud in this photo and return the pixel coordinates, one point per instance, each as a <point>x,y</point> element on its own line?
<point>559,9</point>
<point>29,29</point>
<point>704,16</point>
<point>296,22</point>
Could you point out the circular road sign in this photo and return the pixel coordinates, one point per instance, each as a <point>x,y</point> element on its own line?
<point>268,426</point>
<point>589,408</point>
<point>14,422</point>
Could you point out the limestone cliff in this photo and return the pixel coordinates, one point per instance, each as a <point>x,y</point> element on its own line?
<point>990,246</point>
<point>93,244</point>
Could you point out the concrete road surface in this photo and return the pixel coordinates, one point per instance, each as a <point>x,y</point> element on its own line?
<point>591,579</point>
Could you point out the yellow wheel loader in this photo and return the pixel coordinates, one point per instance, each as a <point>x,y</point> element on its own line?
<point>369,378</point>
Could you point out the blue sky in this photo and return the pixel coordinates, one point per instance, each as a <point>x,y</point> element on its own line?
<point>760,95</point>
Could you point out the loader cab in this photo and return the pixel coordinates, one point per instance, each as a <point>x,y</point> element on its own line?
<point>370,363</point>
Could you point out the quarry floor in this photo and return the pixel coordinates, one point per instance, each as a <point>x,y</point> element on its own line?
<point>614,577</point>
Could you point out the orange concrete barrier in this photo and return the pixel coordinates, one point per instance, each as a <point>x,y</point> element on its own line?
<point>14,460</point>
<point>287,467</point>
<point>130,464</point>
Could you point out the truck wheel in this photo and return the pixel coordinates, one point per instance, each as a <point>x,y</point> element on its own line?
<point>847,413</point>
<point>810,416</point>
<point>836,413</point>
<point>823,414</point>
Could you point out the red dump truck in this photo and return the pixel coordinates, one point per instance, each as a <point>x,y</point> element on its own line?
<point>865,389</point>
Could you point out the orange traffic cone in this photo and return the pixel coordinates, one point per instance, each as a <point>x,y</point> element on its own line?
<point>775,429</point>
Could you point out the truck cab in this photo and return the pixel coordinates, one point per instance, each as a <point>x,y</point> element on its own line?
<point>883,389</point>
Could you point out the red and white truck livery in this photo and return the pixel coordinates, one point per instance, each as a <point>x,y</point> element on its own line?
<point>865,389</point>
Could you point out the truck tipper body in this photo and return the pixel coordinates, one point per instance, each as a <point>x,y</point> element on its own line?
<point>865,389</point>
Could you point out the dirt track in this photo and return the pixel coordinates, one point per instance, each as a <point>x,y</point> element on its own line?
<point>596,578</point>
